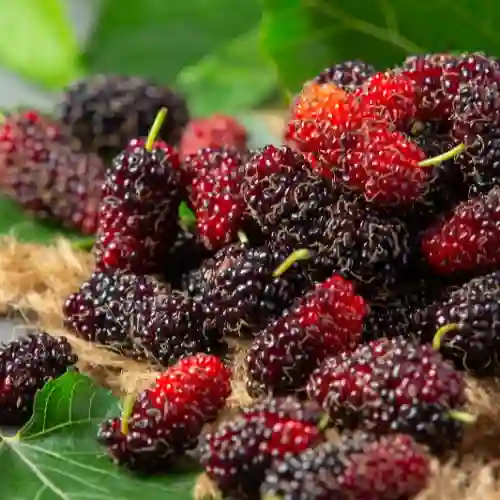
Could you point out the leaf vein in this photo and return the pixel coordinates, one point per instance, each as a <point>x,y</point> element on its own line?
<point>76,479</point>
<point>71,461</point>
<point>38,473</point>
<point>59,427</point>
<point>367,28</point>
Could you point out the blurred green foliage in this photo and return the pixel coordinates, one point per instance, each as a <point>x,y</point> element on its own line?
<point>305,36</point>
<point>232,56</point>
<point>37,41</point>
<point>207,48</point>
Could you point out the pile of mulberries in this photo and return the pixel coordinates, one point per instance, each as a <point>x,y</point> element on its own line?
<point>358,264</point>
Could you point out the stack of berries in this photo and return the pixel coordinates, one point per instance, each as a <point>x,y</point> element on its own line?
<point>360,261</point>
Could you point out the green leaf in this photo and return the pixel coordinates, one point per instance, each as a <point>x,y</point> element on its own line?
<point>229,80</point>
<point>291,36</point>
<point>305,36</point>
<point>158,39</point>
<point>37,41</point>
<point>26,228</point>
<point>56,455</point>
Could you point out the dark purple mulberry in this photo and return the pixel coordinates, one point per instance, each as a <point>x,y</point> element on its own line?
<point>26,365</point>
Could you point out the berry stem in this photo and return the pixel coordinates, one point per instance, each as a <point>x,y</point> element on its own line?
<point>242,237</point>
<point>438,336</point>
<point>128,405</point>
<point>436,160</point>
<point>324,422</point>
<point>302,254</point>
<point>462,416</point>
<point>186,216</point>
<point>83,243</point>
<point>155,129</point>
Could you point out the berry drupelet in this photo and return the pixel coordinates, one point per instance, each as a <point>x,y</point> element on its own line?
<point>325,321</point>
<point>467,322</point>
<point>434,92</point>
<point>200,378</point>
<point>141,197</point>
<point>166,420</point>
<point>392,95</point>
<point>438,79</point>
<point>199,164</point>
<point>481,164</point>
<point>65,188</point>
<point>108,305</point>
<point>198,281</point>
<point>476,110</point>
<point>26,365</point>
<point>392,385</point>
<point>43,171</point>
<point>356,468</point>
<point>345,234</point>
<point>316,101</point>
<point>136,316</point>
<point>238,453</point>
<point>105,111</point>
<point>134,238</point>
<point>26,137</point>
<point>348,75</point>
<point>383,165</point>
<point>278,180</point>
<point>254,288</point>
<point>390,169</point>
<point>287,408</point>
<point>468,240</point>
<point>216,131</point>
<point>392,313</point>
<point>387,467</point>
<point>215,194</point>
<point>175,327</point>
<point>311,475</point>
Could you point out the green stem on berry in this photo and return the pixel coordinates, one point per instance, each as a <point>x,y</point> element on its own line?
<point>438,336</point>
<point>155,129</point>
<point>128,405</point>
<point>302,254</point>
<point>83,243</point>
<point>242,237</point>
<point>324,422</point>
<point>447,155</point>
<point>271,497</point>
<point>462,416</point>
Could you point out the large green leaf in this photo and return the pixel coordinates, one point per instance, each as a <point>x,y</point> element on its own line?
<point>305,36</point>
<point>56,456</point>
<point>158,38</point>
<point>229,80</point>
<point>37,41</point>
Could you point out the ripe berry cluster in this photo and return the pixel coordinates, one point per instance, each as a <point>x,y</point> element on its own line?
<point>26,365</point>
<point>361,261</point>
